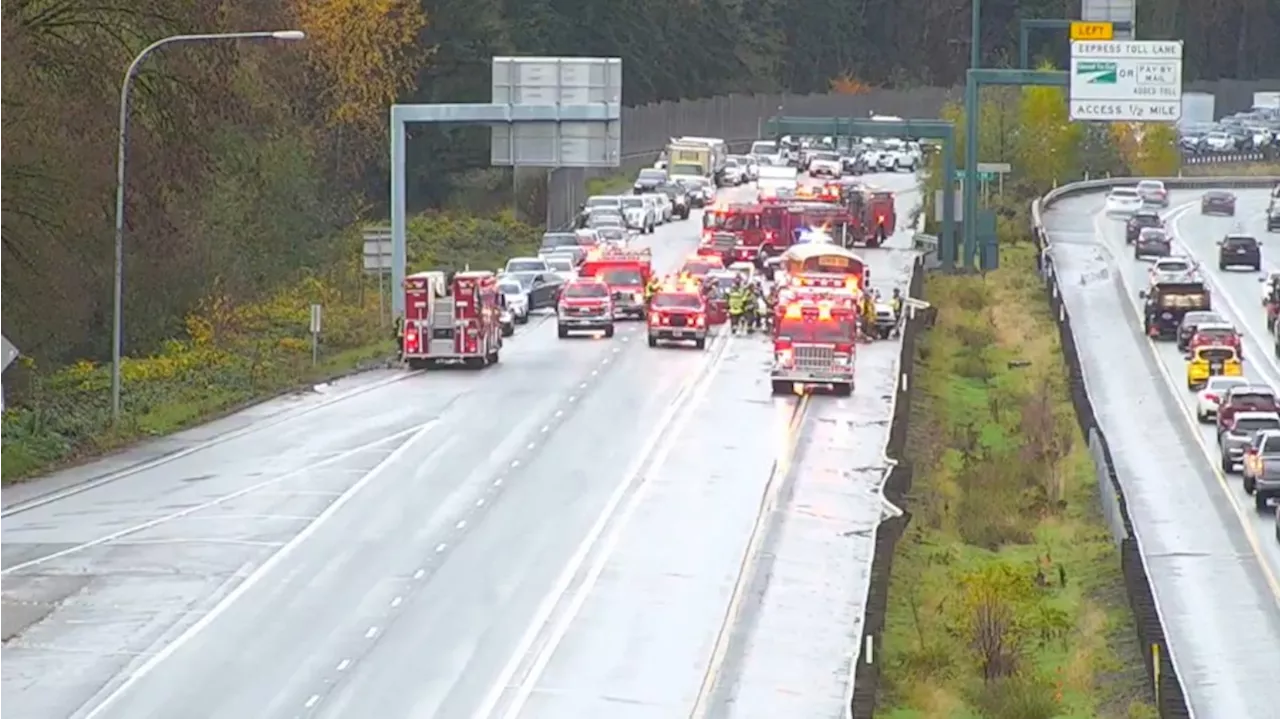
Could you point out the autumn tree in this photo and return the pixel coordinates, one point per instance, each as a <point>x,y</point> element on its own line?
<point>1157,151</point>
<point>998,613</point>
<point>1048,140</point>
<point>366,54</point>
<point>847,84</point>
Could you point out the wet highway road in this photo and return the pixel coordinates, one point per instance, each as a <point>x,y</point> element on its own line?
<point>1213,559</point>
<point>393,565</point>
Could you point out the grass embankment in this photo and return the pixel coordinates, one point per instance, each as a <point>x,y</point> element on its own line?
<point>1006,598</point>
<point>1249,169</point>
<point>611,185</point>
<point>230,355</point>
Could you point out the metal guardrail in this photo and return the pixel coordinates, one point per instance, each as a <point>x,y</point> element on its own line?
<point>1162,664</point>
<point>1223,158</point>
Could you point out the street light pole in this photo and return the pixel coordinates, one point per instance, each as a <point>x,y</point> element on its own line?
<point>975,36</point>
<point>117,323</point>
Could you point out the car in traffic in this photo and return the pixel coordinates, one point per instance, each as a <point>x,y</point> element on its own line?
<point>1152,242</point>
<point>639,214</point>
<point>1218,202</point>
<point>564,265</point>
<point>1191,321</point>
<point>826,164</point>
<point>1173,269</point>
<point>1123,201</point>
<point>516,298</point>
<point>735,173</point>
<point>1208,361</point>
<point>679,200</point>
<point>1273,215</point>
<point>1215,333</point>
<point>1153,192</point>
<point>1260,473</point>
<point>1239,251</point>
<point>1269,286</point>
<point>1238,434</point>
<point>1248,398</point>
<point>650,179</point>
<point>553,242</point>
<point>666,210</point>
<point>702,189</point>
<point>536,278</point>
<point>1139,221</point>
<point>602,219</point>
<point>1211,394</point>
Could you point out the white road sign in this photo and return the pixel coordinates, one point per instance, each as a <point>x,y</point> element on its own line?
<point>1126,81</point>
<point>8,353</point>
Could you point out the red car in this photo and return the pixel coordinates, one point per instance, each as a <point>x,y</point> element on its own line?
<point>1216,334</point>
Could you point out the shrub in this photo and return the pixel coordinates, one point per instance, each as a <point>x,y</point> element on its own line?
<point>233,352</point>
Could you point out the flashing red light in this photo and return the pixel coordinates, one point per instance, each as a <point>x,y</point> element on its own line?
<point>411,340</point>
<point>700,321</point>
<point>844,348</point>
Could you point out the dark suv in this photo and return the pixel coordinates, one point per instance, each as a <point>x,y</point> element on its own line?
<point>1141,220</point>
<point>1239,251</point>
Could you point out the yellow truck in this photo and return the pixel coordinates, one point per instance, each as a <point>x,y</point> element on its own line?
<point>685,160</point>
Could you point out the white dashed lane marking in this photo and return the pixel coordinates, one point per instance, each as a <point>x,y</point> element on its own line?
<point>461,526</point>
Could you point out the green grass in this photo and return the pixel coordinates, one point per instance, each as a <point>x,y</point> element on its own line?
<point>1005,520</point>
<point>1248,169</point>
<point>183,411</point>
<point>611,185</point>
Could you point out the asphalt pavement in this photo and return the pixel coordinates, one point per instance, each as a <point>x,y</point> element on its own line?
<point>1212,557</point>
<point>387,546</point>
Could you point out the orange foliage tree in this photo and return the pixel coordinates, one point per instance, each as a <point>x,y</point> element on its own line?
<point>847,84</point>
<point>366,51</point>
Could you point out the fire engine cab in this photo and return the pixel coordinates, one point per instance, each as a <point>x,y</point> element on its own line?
<point>451,320</point>
<point>815,345</point>
<point>626,272</point>
<point>678,313</point>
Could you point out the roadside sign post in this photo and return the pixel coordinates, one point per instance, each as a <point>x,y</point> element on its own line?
<point>974,80</point>
<point>989,170</point>
<point>1126,81</point>
<point>377,260</point>
<point>550,112</point>
<point>8,353</point>
<point>1119,29</point>
<point>316,313</point>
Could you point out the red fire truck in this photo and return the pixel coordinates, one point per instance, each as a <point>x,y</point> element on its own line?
<point>815,345</point>
<point>449,320</point>
<point>626,272</point>
<point>743,221</point>
<point>678,313</point>
<point>870,212</point>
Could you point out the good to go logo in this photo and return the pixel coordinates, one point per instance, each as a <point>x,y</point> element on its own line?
<point>1097,73</point>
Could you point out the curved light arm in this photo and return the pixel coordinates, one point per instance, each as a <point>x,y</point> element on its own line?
<point>117,333</point>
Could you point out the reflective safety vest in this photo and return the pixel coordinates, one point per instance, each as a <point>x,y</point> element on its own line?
<point>737,302</point>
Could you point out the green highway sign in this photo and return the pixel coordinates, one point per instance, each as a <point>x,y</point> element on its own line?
<point>983,176</point>
<point>1097,73</point>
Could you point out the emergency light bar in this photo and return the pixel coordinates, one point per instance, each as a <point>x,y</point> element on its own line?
<point>797,310</point>
<point>832,281</point>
